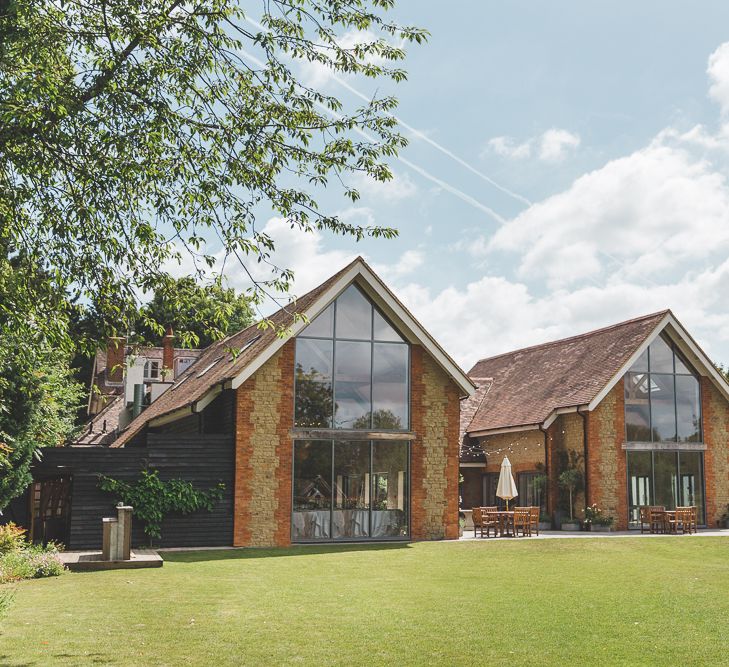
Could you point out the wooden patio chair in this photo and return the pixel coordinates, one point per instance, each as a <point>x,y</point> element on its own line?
<point>534,519</point>
<point>477,517</point>
<point>694,518</point>
<point>674,520</point>
<point>490,520</point>
<point>645,518</point>
<point>688,518</point>
<point>657,516</point>
<point>522,519</point>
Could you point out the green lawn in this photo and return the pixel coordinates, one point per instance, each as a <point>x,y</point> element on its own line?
<point>583,601</point>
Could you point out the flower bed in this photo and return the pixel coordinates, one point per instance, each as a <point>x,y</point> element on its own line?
<point>21,560</point>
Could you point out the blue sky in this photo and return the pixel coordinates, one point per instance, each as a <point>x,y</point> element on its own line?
<point>612,121</point>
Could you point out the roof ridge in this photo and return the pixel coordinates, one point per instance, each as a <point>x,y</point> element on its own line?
<point>586,334</point>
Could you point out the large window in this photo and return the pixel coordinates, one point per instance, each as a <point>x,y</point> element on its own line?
<point>350,490</point>
<point>531,486</point>
<point>662,397</point>
<point>352,369</point>
<point>668,478</point>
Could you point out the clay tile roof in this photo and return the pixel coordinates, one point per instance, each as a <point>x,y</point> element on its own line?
<point>529,384</point>
<point>252,341</point>
<point>102,428</point>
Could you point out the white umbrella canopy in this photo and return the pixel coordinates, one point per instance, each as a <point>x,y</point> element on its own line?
<point>506,488</point>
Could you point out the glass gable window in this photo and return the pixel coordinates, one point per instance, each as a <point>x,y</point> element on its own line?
<point>352,369</point>
<point>350,490</point>
<point>662,397</point>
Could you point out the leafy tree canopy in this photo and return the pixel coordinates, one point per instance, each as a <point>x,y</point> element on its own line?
<point>133,132</point>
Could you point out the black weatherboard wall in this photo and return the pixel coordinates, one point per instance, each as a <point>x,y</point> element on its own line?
<point>201,459</point>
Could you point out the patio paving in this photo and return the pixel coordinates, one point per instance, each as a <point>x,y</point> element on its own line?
<point>560,534</point>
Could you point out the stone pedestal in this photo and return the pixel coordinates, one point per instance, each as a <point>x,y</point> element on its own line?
<point>117,535</point>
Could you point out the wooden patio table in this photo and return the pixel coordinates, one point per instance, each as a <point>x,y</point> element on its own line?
<point>506,519</point>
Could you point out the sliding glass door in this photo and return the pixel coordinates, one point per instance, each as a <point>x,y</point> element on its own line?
<point>350,490</point>
<point>668,478</point>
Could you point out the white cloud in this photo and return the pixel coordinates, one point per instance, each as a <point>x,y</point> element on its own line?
<point>552,146</point>
<point>408,262</point>
<point>555,144</point>
<point>494,314</point>
<point>508,147</point>
<point>652,209</point>
<point>396,189</point>
<point>718,71</point>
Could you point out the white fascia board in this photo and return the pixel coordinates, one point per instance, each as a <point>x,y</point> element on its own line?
<point>317,307</point>
<point>382,296</point>
<point>561,411</point>
<point>207,399</point>
<point>688,346</point>
<point>499,431</point>
<point>170,417</point>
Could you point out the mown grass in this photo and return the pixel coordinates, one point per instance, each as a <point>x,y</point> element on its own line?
<point>581,601</point>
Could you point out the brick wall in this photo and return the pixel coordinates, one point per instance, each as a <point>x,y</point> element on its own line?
<point>566,435</point>
<point>434,452</point>
<point>264,415</point>
<point>715,411</point>
<point>606,457</point>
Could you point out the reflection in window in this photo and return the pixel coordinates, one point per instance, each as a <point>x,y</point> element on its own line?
<point>531,489</point>
<point>668,478</point>
<point>312,490</point>
<point>662,397</point>
<point>350,490</point>
<point>352,369</point>
<point>314,383</point>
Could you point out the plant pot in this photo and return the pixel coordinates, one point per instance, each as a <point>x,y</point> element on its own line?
<point>597,528</point>
<point>545,525</point>
<point>570,525</point>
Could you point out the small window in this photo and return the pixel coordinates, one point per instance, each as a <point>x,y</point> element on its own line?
<point>151,370</point>
<point>183,363</point>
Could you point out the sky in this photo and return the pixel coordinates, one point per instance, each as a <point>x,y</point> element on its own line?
<point>567,169</point>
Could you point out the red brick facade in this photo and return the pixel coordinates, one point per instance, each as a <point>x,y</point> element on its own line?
<point>715,411</point>
<point>263,477</point>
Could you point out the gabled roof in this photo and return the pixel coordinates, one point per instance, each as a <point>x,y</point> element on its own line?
<point>533,385</point>
<point>217,368</point>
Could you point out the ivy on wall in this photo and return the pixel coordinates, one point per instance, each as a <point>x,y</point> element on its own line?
<point>153,498</point>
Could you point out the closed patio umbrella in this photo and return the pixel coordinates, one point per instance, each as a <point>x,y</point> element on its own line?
<point>506,488</point>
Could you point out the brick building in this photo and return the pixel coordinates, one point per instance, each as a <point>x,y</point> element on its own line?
<point>637,407</point>
<point>340,426</point>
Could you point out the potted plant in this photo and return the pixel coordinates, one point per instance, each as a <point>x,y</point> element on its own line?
<point>570,480</point>
<point>461,523</point>
<point>596,520</point>
<point>545,522</point>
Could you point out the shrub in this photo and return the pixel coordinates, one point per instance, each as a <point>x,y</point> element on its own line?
<point>12,538</point>
<point>28,561</point>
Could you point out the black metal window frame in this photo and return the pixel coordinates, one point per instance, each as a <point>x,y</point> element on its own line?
<point>676,352</point>
<point>341,540</point>
<point>677,452</point>
<point>372,341</point>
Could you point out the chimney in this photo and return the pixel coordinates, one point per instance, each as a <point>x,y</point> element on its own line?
<point>168,354</point>
<point>115,349</point>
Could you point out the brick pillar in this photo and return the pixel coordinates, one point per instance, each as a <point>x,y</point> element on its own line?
<point>715,418</point>
<point>417,455</point>
<point>263,454</point>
